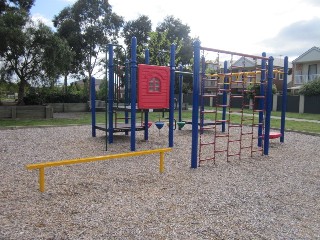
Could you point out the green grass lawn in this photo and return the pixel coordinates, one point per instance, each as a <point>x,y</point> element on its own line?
<point>85,118</point>
<point>307,116</point>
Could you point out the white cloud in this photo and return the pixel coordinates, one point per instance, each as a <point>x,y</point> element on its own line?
<point>246,26</point>
<point>243,26</point>
<point>295,38</point>
<point>38,17</point>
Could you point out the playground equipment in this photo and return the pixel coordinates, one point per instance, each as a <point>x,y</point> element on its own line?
<point>180,73</point>
<point>159,125</point>
<point>224,97</point>
<point>181,125</point>
<point>42,166</point>
<point>156,91</point>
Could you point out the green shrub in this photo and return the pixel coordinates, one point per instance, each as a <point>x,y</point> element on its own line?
<point>311,88</point>
<point>102,92</point>
<point>254,90</point>
<point>33,98</point>
<point>44,96</point>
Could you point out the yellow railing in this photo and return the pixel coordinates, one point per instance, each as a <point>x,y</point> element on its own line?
<point>41,166</point>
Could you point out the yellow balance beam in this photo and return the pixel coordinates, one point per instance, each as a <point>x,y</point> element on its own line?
<point>41,166</point>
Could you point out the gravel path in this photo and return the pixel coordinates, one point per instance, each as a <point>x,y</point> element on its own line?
<point>264,197</point>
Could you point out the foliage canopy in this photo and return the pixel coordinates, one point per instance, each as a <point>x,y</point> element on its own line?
<point>88,26</point>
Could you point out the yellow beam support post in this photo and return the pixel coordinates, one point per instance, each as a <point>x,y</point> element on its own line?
<point>41,166</point>
<point>41,179</point>
<point>93,159</point>
<point>161,162</point>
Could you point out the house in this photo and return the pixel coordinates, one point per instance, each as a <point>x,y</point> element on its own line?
<point>252,65</point>
<point>81,83</point>
<point>245,64</point>
<point>306,67</point>
<point>212,66</point>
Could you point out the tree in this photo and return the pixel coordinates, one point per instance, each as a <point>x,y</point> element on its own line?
<point>23,50</point>
<point>102,93</point>
<point>70,30</point>
<point>139,28</point>
<point>177,31</point>
<point>20,49</point>
<point>159,47</point>
<point>93,25</point>
<point>58,57</point>
<point>15,5</point>
<point>13,17</point>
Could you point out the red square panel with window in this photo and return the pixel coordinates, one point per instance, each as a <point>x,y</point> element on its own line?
<point>153,86</point>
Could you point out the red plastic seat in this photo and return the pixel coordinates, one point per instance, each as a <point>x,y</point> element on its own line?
<point>274,135</point>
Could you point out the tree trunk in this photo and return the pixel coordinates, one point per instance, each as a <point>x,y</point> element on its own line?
<point>52,83</point>
<point>87,86</point>
<point>65,83</point>
<point>21,91</point>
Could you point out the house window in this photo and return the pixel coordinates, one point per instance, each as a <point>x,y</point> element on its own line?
<point>312,71</point>
<point>280,76</point>
<point>154,85</point>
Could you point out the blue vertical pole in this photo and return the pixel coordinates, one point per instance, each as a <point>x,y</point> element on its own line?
<point>147,56</point>
<point>180,94</point>
<point>224,96</point>
<point>261,100</point>
<point>171,97</point>
<point>146,113</point>
<point>195,104</point>
<point>93,105</point>
<point>133,92</point>
<point>203,67</point>
<point>107,102</point>
<point>111,92</point>
<point>284,98</point>
<point>268,107</point>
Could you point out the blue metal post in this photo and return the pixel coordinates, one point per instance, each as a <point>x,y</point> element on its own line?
<point>284,98</point>
<point>268,106</point>
<point>107,102</point>
<point>147,56</point>
<point>180,94</point>
<point>195,104</point>
<point>203,67</point>
<point>133,92</point>
<point>93,105</point>
<point>224,96</point>
<point>146,113</point>
<point>261,100</point>
<point>171,97</point>
<point>111,92</point>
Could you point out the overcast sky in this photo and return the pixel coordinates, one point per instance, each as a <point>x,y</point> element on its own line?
<point>277,27</point>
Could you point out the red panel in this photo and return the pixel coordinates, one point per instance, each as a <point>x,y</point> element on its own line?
<point>153,86</point>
